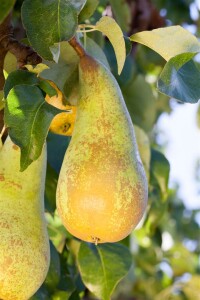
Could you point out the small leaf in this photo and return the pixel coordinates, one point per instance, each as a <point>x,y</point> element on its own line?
<point>53,275</point>
<point>28,117</point>
<point>169,41</point>
<point>111,29</point>
<point>50,189</point>
<point>1,100</point>
<point>96,51</point>
<point>88,10</point>
<point>47,88</point>
<point>160,168</point>
<point>6,6</point>
<point>19,77</point>
<point>49,22</point>
<point>180,79</point>
<point>140,102</point>
<point>103,266</point>
<point>77,4</point>
<point>122,14</point>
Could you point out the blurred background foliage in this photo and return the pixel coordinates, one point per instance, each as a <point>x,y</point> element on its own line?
<point>165,247</point>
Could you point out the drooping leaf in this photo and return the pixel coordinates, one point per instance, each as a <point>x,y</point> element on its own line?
<point>180,79</point>
<point>140,102</point>
<point>50,189</point>
<point>88,10</point>
<point>53,275</point>
<point>1,100</point>
<point>122,13</point>
<point>49,22</point>
<point>95,51</point>
<point>144,148</point>
<point>6,6</point>
<point>19,77</point>
<point>160,168</point>
<point>111,29</point>
<point>10,63</point>
<point>103,266</point>
<point>28,117</point>
<point>77,4</point>
<point>169,41</point>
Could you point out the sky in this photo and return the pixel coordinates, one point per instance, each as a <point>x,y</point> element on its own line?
<point>180,131</point>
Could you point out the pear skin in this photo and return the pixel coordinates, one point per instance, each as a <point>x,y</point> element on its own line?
<point>24,247</point>
<point>102,189</point>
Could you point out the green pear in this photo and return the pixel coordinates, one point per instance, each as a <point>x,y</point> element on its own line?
<point>24,247</point>
<point>102,189</point>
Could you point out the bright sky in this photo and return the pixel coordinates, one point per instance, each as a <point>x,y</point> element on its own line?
<point>183,150</point>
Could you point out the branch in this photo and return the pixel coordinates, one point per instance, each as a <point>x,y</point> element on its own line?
<point>24,54</point>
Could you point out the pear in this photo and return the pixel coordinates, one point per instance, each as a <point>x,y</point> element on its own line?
<point>24,247</point>
<point>102,188</point>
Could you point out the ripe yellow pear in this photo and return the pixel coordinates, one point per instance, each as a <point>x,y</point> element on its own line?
<point>24,244</point>
<point>102,187</point>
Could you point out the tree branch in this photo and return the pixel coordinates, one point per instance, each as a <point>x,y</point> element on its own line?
<point>24,54</point>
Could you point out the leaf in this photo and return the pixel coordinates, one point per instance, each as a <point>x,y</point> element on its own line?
<point>168,42</point>
<point>180,79</point>
<point>61,295</point>
<point>50,189</point>
<point>96,51</point>
<point>160,168</point>
<point>53,275</point>
<point>111,29</point>
<point>1,100</point>
<point>103,266</point>
<point>192,288</point>
<point>122,14</point>
<point>19,77</point>
<point>140,102</point>
<point>88,10</point>
<point>49,22</point>
<point>144,148</point>
<point>77,4</point>
<point>10,63</point>
<point>28,117</point>
<point>6,6</point>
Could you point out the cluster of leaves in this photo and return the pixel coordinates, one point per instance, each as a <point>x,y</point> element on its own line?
<point>79,270</point>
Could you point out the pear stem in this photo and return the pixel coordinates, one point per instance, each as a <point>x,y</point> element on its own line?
<point>77,47</point>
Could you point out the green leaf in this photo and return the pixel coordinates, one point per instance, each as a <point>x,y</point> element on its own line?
<point>180,79</point>
<point>6,6</point>
<point>95,51</point>
<point>53,275</point>
<point>49,22</point>
<point>50,189</point>
<point>111,29</point>
<point>10,63</point>
<point>192,288</point>
<point>61,295</point>
<point>168,42</point>
<point>1,100</point>
<point>28,117</point>
<point>19,77</point>
<point>77,4</point>
<point>140,102</point>
<point>103,266</point>
<point>88,10</point>
<point>160,168</point>
<point>122,14</point>
<point>47,88</point>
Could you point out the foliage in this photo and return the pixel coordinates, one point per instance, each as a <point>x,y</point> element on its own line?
<point>150,266</point>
